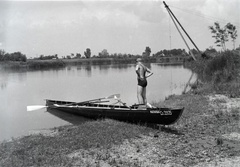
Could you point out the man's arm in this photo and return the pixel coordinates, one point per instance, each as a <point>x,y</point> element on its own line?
<point>137,70</point>
<point>137,67</point>
<point>149,73</point>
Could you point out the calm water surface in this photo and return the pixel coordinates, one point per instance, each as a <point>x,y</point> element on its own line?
<point>19,89</point>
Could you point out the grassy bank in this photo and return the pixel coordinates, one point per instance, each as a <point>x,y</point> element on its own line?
<point>53,150</point>
<point>196,138</point>
<point>220,74</point>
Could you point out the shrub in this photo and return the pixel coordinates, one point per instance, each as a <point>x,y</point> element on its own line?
<point>220,72</point>
<point>224,67</point>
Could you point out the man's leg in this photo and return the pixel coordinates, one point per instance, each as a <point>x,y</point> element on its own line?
<point>144,95</point>
<point>140,94</point>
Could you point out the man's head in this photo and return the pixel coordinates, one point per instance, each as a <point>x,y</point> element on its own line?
<point>139,60</point>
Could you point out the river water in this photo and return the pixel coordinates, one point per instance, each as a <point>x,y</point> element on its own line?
<point>19,89</point>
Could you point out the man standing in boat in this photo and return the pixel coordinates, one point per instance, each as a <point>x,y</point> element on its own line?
<point>142,74</point>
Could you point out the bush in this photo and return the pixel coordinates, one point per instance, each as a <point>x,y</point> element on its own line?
<point>220,72</point>
<point>222,68</point>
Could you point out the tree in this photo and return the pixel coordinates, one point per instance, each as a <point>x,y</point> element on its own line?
<point>78,55</point>
<point>87,53</point>
<point>220,34</point>
<point>2,54</point>
<point>147,52</point>
<point>16,56</point>
<point>231,29</point>
<point>104,53</point>
<point>194,51</point>
<point>211,50</point>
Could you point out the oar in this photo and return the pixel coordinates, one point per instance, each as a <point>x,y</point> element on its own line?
<point>38,107</point>
<point>114,96</point>
<point>35,107</point>
<point>120,101</point>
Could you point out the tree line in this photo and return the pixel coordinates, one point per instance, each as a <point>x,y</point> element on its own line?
<point>16,56</point>
<point>105,54</point>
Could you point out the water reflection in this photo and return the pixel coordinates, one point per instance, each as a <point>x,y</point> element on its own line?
<point>3,84</point>
<point>103,68</point>
<point>88,70</point>
<point>11,77</point>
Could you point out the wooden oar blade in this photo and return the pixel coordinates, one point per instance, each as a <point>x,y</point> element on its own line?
<point>35,107</point>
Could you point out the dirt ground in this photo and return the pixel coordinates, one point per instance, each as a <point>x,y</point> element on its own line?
<point>148,150</point>
<point>226,104</point>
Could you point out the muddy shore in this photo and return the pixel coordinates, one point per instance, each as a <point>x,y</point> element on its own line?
<point>207,134</point>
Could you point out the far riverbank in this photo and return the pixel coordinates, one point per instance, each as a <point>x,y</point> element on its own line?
<point>59,63</point>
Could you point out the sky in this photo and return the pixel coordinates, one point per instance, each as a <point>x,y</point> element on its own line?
<point>64,27</point>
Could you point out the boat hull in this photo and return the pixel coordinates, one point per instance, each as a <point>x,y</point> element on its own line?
<point>135,113</point>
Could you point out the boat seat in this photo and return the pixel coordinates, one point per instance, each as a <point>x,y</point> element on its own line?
<point>142,107</point>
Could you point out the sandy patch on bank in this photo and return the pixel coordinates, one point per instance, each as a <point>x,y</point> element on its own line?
<point>225,162</point>
<point>224,103</point>
<point>143,151</point>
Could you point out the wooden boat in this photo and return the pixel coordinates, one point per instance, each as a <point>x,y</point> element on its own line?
<point>135,113</point>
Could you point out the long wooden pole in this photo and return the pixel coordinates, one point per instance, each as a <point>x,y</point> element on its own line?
<point>173,16</point>
<point>182,37</point>
<point>184,91</point>
<point>166,6</point>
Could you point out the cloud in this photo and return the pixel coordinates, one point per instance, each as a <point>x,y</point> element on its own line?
<point>222,10</point>
<point>119,26</point>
